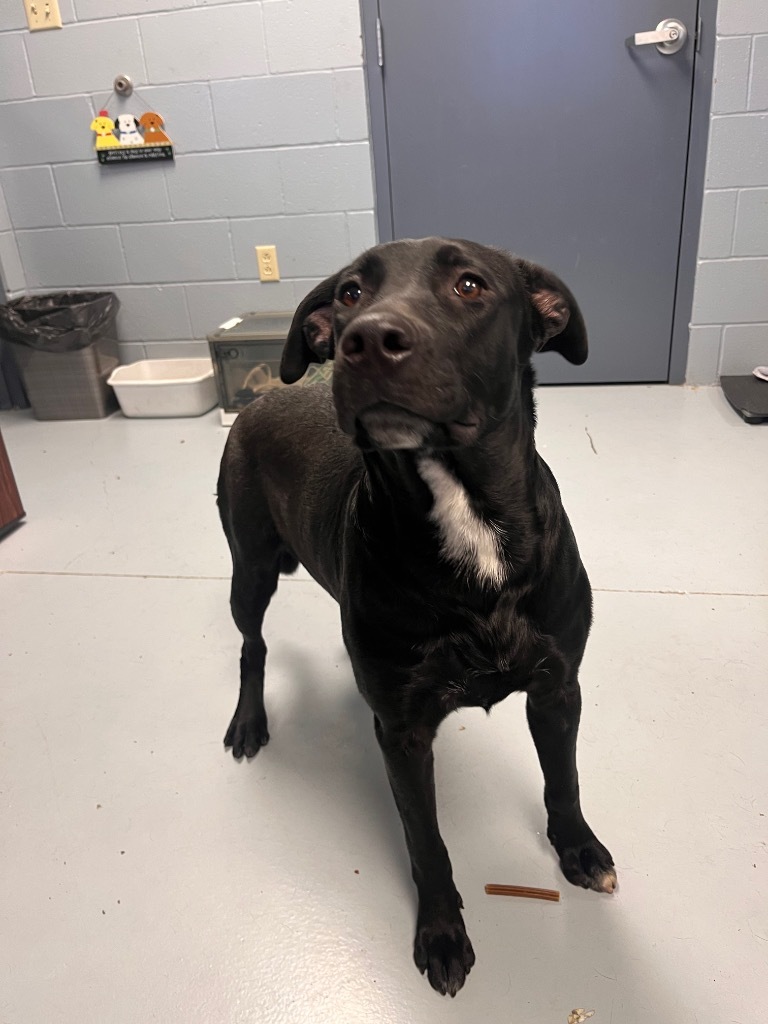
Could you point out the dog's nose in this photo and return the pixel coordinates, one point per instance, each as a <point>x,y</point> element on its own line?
<point>376,339</point>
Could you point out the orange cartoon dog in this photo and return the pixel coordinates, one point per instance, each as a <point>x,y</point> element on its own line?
<point>152,124</point>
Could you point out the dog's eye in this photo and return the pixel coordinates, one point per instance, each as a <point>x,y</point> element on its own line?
<point>350,294</point>
<point>469,287</point>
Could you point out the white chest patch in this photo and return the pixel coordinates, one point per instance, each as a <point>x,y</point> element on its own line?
<point>467,541</point>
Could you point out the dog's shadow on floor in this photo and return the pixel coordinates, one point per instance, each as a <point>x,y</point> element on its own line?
<point>322,732</point>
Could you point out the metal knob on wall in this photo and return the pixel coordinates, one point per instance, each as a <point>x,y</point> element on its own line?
<point>123,85</point>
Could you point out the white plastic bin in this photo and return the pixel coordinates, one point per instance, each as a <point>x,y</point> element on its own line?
<point>165,387</point>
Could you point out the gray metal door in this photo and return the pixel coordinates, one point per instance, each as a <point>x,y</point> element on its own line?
<point>537,126</point>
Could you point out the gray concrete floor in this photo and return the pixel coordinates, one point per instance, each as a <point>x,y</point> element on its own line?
<point>148,877</point>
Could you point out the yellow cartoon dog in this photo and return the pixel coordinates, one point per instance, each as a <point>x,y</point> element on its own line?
<point>103,125</point>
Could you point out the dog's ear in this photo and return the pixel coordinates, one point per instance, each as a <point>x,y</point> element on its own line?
<point>558,325</point>
<point>310,338</point>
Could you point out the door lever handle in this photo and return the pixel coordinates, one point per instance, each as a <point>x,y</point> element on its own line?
<point>668,37</point>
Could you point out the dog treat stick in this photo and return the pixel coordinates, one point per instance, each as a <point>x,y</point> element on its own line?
<point>523,890</point>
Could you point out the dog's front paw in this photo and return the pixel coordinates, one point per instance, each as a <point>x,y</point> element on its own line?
<point>586,862</point>
<point>442,949</point>
<point>246,736</point>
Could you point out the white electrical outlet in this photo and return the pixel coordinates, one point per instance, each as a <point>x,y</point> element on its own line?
<point>42,14</point>
<point>266,256</point>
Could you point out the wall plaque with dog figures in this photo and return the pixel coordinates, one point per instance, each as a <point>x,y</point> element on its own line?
<point>128,138</point>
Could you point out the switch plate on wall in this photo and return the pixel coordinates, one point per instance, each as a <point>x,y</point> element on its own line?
<point>267,259</point>
<point>42,14</point>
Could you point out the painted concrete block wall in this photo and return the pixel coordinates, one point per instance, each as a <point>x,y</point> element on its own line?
<point>265,102</point>
<point>729,332</point>
<point>11,269</point>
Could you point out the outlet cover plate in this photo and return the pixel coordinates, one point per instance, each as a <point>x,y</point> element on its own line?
<point>42,14</point>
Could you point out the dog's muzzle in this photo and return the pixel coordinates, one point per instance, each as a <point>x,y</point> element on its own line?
<point>386,387</point>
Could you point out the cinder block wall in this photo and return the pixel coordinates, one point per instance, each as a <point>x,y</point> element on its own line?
<point>729,332</point>
<point>13,280</point>
<point>265,103</point>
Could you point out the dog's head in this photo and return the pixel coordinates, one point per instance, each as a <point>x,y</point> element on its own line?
<point>126,123</point>
<point>102,124</point>
<point>151,120</point>
<point>429,338</point>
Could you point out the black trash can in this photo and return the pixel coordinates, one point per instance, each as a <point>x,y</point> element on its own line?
<point>65,345</point>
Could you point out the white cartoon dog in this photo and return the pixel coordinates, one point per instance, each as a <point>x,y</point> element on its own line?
<point>128,130</point>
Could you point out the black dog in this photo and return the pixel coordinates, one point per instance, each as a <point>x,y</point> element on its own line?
<point>414,495</point>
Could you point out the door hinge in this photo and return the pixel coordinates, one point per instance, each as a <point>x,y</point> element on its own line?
<point>379,43</point>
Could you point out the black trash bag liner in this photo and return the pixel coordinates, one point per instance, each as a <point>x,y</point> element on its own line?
<point>59,321</point>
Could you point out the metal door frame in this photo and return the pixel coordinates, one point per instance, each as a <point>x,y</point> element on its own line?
<point>693,196</point>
